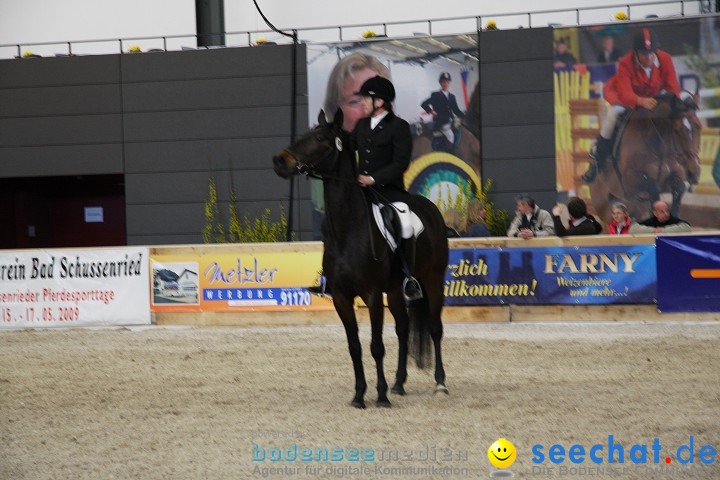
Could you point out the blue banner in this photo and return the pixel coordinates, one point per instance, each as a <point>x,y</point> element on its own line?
<point>551,275</point>
<point>688,272</point>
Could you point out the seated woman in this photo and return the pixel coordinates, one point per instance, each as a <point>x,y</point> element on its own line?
<point>581,222</point>
<point>476,226</point>
<point>621,221</point>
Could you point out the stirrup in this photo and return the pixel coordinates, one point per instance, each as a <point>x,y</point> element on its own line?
<point>411,289</point>
<point>322,290</point>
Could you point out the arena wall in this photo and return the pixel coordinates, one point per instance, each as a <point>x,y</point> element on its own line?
<point>504,313</point>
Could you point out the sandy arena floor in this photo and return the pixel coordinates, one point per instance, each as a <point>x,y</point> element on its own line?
<point>189,403</point>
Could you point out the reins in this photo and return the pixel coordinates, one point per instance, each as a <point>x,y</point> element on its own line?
<point>309,171</point>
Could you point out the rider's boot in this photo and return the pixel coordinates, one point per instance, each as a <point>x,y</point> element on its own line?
<point>599,153</point>
<point>411,287</point>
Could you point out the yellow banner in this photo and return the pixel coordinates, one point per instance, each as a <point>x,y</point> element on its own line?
<point>227,282</point>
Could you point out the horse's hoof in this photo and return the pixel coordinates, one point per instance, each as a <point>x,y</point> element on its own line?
<point>441,389</point>
<point>383,403</point>
<point>358,403</point>
<point>398,389</point>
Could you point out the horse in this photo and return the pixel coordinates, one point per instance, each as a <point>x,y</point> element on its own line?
<point>655,154</point>
<point>358,262</point>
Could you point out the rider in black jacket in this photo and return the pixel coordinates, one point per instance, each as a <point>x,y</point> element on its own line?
<point>384,147</point>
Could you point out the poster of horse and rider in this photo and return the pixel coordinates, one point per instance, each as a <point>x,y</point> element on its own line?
<point>636,117</point>
<point>436,80</point>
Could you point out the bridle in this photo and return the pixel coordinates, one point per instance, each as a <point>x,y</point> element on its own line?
<point>308,170</point>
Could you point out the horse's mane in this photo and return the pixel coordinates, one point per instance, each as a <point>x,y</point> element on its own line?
<point>669,107</point>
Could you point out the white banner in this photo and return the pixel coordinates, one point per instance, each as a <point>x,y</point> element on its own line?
<point>51,288</point>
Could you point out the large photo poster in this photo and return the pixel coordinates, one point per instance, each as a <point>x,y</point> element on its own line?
<point>436,81</point>
<point>636,117</point>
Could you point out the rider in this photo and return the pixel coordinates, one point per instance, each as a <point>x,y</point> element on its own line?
<point>643,73</point>
<point>384,146</point>
<point>442,105</point>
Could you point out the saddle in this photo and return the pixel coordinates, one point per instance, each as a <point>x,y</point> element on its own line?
<point>396,221</point>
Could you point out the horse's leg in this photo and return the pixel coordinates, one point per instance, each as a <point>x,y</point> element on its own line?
<point>377,348</point>
<point>434,295</point>
<point>396,304</point>
<point>678,190</point>
<point>344,308</point>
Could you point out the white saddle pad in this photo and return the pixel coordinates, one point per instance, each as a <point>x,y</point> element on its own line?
<point>410,223</point>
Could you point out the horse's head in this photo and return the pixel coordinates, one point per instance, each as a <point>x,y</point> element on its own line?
<point>687,129</point>
<point>683,126</point>
<point>316,152</point>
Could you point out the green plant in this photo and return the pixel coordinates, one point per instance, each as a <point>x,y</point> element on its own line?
<point>250,230</point>
<point>213,231</point>
<point>496,219</point>
<point>263,229</point>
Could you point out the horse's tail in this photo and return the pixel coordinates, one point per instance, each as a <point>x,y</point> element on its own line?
<point>420,345</point>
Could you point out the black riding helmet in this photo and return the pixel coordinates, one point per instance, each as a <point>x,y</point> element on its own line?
<point>445,76</point>
<point>646,41</point>
<point>378,87</point>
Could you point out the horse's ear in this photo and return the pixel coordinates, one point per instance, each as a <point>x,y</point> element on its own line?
<point>322,121</point>
<point>339,118</point>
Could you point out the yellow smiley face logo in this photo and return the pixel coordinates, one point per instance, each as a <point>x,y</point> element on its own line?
<point>502,453</point>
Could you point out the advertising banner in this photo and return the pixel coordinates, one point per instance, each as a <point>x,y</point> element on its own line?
<point>436,80</point>
<point>688,272</point>
<point>551,275</point>
<point>616,86</point>
<point>51,288</point>
<point>226,282</point>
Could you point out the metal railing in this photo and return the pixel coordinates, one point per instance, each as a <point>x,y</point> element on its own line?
<point>251,37</point>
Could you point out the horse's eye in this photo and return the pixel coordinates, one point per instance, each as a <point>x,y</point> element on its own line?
<point>319,138</point>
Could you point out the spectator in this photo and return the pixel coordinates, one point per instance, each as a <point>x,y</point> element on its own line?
<point>563,60</point>
<point>530,220</point>
<point>453,222</point>
<point>610,53</point>
<point>581,222</point>
<point>661,221</point>
<point>621,221</point>
<point>476,226</point>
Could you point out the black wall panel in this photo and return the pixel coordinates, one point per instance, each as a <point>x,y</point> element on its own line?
<point>193,115</point>
<point>202,155</point>
<point>44,72</point>
<point>61,100</point>
<point>169,121</point>
<point>47,161</point>
<point>516,101</point>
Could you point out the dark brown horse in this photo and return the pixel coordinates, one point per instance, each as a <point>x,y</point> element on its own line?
<point>657,153</point>
<point>358,261</point>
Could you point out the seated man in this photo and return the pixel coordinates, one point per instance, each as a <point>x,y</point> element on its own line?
<point>530,220</point>
<point>661,221</point>
<point>581,222</point>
